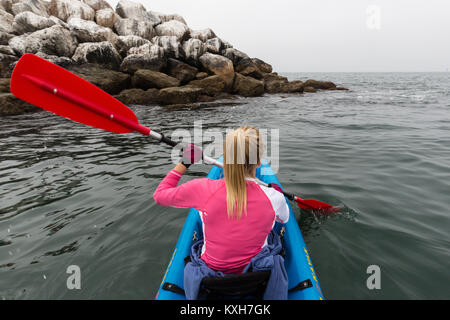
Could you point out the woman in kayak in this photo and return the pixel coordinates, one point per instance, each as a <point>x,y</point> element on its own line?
<point>237,213</point>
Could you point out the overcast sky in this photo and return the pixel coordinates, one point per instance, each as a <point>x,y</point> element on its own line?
<point>327,35</point>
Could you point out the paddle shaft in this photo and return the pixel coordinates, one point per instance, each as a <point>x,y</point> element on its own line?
<point>134,126</point>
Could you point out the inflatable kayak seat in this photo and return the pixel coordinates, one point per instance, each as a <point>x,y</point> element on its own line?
<point>247,285</point>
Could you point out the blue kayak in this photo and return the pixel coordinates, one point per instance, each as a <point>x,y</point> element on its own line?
<point>297,260</point>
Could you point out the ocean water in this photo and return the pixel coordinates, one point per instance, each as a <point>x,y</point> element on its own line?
<point>75,195</point>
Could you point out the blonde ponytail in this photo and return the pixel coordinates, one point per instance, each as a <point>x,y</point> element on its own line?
<point>242,154</point>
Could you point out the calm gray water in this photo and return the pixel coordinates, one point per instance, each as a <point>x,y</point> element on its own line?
<point>74,195</point>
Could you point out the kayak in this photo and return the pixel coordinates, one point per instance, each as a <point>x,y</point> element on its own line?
<point>302,278</point>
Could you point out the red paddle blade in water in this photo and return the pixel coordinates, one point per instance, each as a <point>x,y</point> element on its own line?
<point>50,87</point>
<point>316,205</point>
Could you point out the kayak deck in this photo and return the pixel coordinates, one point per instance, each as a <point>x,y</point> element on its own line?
<point>297,261</point>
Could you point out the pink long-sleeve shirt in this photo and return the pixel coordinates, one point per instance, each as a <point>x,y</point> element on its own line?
<point>229,244</point>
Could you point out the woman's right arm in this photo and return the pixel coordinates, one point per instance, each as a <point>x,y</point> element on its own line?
<point>188,195</point>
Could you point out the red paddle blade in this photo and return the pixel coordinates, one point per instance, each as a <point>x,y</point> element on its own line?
<point>50,87</point>
<point>316,205</point>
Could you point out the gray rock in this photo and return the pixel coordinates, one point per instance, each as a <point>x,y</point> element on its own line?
<point>134,10</point>
<point>106,18</point>
<point>203,35</point>
<point>247,67</point>
<point>193,49</point>
<point>173,28</point>
<point>247,86</point>
<point>216,64</point>
<point>214,45</point>
<point>36,6</point>
<point>59,22</point>
<point>7,50</point>
<point>6,64</point>
<point>101,53</point>
<point>134,62</point>
<point>4,85</point>
<point>234,55</point>
<point>60,61</point>
<point>167,17</point>
<point>5,37</point>
<point>146,79</point>
<point>89,31</point>
<point>324,85</point>
<point>182,71</point>
<point>212,85</point>
<point>179,95</point>
<point>29,22</point>
<point>125,43</point>
<point>151,49</point>
<point>128,27</point>
<point>6,21</point>
<point>65,9</point>
<point>55,40</point>
<point>262,66</point>
<point>10,105</point>
<point>97,4</point>
<point>309,89</point>
<point>109,81</point>
<point>172,47</point>
<point>138,96</point>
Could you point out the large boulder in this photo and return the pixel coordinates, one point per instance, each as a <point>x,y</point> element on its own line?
<point>138,96</point>
<point>55,40</point>
<point>149,48</point>
<point>125,43</point>
<point>234,55</point>
<point>38,7</point>
<point>7,50</point>
<point>128,27</point>
<point>6,64</point>
<point>247,86</point>
<point>216,64</point>
<point>5,37</point>
<point>172,47</point>
<point>6,21</point>
<point>247,67</point>
<point>4,85</point>
<point>98,4</point>
<point>296,86</point>
<point>134,10</point>
<point>203,35</point>
<point>179,95</point>
<point>10,105</point>
<point>109,81</point>
<point>193,49</point>
<point>324,85</point>
<point>173,28</point>
<point>65,9</point>
<point>106,18</point>
<point>101,53</point>
<point>214,45</point>
<point>89,31</point>
<point>167,17</point>
<point>180,70</point>
<point>60,61</point>
<point>262,66</point>
<point>134,62</point>
<point>212,85</point>
<point>146,79</point>
<point>274,83</point>
<point>29,22</point>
